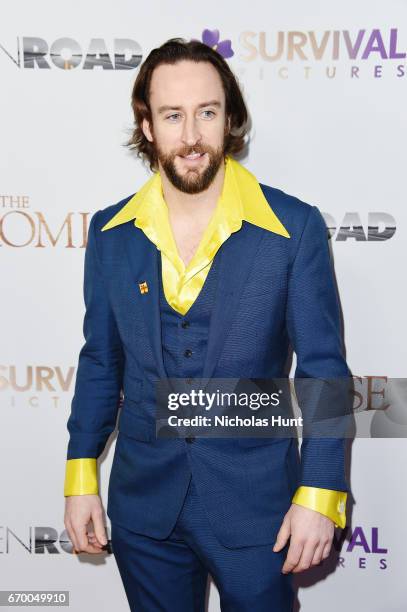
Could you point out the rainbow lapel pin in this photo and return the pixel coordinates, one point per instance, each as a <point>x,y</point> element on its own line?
<point>143,287</point>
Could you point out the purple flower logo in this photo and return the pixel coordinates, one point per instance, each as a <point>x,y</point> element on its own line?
<point>224,47</point>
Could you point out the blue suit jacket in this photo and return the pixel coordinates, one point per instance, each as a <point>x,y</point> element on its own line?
<point>274,293</point>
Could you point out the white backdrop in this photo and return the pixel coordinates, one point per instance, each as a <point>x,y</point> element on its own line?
<point>328,128</point>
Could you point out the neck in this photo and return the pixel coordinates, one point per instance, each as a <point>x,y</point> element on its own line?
<point>195,205</point>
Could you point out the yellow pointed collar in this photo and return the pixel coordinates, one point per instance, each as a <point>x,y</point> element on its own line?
<point>241,200</point>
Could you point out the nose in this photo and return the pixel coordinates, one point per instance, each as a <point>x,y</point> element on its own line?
<point>190,131</point>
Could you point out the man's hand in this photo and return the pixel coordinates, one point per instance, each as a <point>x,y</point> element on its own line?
<point>311,538</point>
<point>79,511</point>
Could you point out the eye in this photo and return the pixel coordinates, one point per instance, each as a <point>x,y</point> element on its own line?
<point>170,117</point>
<point>209,111</point>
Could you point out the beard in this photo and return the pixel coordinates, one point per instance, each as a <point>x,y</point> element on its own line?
<point>194,179</point>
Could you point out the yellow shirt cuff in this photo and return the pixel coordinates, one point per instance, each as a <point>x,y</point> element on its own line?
<point>81,477</point>
<point>326,501</point>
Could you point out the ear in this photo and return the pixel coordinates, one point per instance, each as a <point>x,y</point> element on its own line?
<point>145,126</point>
<point>227,124</point>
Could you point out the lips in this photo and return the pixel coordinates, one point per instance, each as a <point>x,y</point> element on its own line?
<point>193,156</point>
<point>193,159</point>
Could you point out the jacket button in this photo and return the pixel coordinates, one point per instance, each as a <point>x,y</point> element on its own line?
<point>185,324</point>
<point>190,439</point>
<point>188,353</point>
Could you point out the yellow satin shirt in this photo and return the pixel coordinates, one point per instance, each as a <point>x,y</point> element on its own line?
<point>241,199</point>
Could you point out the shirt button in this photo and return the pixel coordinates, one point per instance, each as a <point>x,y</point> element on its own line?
<point>190,439</point>
<point>185,324</point>
<point>188,353</point>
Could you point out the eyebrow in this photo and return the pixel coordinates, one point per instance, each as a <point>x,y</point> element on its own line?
<point>166,107</point>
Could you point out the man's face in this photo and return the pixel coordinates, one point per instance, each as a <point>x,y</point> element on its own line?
<point>187,104</point>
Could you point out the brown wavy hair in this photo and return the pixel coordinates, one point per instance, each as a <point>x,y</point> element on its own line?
<point>172,51</point>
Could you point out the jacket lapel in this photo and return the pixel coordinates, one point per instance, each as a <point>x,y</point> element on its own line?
<point>237,258</point>
<point>142,257</point>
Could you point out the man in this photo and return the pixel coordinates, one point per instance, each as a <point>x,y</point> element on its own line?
<point>202,272</point>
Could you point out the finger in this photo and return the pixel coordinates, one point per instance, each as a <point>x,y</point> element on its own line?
<point>327,549</point>
<point>306,556</point>
<point>100,531</point>
<point>81,541</point>
<point>282,536</point>
<point>93,540</point>
<point>92,549</point>
<point>293,555</point>
<point>72,536</point>
<point>92,536</point>
<point>76,546</point>
<point>317,558</point>
<point>81,536</point>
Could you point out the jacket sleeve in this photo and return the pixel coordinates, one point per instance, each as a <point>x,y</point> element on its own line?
<point>313,324</point>
<point>99,376</point>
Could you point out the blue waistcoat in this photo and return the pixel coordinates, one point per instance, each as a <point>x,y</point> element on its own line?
<point>184,338</point>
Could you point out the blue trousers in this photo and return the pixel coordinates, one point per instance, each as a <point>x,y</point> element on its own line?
<point>171,575</point>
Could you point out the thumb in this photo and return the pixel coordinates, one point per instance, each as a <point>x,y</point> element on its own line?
<point>283,535</point>
<point>99,528</point>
